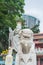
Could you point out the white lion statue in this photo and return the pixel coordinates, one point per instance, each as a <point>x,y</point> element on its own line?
<point>25,47</point>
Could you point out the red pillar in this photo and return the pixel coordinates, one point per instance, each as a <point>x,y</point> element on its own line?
<point>38,62</point>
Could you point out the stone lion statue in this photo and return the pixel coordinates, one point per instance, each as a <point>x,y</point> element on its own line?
<point>25,48</point>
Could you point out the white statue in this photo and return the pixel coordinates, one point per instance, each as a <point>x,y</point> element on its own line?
<point>22,43</point>
<point>25,48</point>
<point>9,57</point>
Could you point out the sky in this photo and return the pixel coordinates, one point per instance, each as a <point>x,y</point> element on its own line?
<point>35,8</point>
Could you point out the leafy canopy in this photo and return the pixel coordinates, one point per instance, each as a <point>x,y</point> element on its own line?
<point>9,10</point>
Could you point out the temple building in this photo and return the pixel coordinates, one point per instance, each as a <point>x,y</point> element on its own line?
<point>38,40</point>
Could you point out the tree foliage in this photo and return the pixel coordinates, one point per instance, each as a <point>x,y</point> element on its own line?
<point>9,9</point>
<point>35,29</point>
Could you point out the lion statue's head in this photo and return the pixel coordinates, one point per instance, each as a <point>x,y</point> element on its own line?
<point>26,40</point>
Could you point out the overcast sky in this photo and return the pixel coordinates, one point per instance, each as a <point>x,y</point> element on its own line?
<point>35,8</point>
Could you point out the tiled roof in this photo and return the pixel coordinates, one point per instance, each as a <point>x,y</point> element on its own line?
<point>37,42</point>
<point>38,36</point>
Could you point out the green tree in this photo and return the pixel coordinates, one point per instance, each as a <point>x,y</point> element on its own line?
<point>9,10</point>
<point>35,29</point>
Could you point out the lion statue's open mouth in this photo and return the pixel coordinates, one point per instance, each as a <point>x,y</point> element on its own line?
<point>25,48</point>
